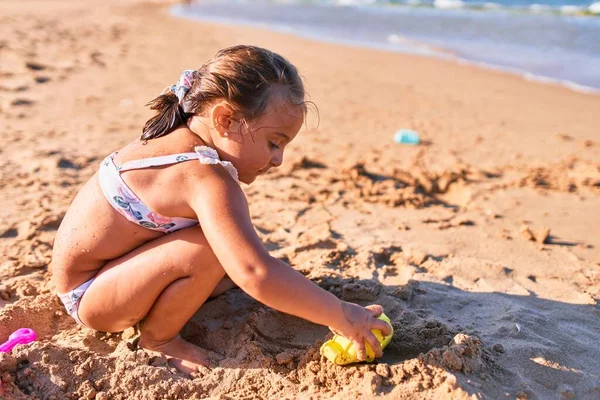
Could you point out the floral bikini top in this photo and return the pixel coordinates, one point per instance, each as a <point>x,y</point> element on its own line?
<point>122,198</point>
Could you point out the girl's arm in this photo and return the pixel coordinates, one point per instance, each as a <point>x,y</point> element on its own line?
<point>223,214</point>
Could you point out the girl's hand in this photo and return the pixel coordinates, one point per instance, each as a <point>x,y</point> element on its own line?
<point>356,325</point>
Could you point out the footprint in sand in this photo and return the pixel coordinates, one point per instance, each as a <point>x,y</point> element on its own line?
<point>64,163</point>
<point>9,233</point>
<point>18,102</point>
<point>42,79</point>
<point>35,66</point>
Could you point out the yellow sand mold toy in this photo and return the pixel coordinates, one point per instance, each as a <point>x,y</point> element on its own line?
<point>341,351</point>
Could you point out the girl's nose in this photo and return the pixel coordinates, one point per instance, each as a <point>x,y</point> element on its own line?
<point>277,159</point>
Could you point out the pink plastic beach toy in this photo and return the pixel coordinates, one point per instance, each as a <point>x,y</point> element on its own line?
<point>20,336</point>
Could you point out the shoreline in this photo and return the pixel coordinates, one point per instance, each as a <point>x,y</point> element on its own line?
<point>395,44</point>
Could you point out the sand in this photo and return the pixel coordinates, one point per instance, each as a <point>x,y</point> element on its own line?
<point>482,244</point>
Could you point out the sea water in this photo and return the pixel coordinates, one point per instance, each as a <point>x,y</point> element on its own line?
<point>549,40</point>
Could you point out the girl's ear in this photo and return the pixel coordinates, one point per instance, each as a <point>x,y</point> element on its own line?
<point>222,118</point>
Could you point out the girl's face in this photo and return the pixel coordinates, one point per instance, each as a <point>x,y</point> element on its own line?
<point>258,147</point>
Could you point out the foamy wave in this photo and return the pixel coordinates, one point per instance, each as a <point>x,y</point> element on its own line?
<point>448,4</point>
<point>561,82</point>
<point>529,76</point>
<point>491,6</point>
<point>354,2</point>
<point>393,38</point>
<point>539,8</point>
<point>594,8</point>
<point>571,10</point>
<point>408,45</point>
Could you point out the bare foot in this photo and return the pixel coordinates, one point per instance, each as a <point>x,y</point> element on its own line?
<point>183,355</point>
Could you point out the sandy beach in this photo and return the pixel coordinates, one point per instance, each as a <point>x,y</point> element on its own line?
<point>482,243</point>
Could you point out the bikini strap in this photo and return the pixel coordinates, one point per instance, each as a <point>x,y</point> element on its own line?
<point>204,154</point>
<point>208,155</point>
<point>157,161</point>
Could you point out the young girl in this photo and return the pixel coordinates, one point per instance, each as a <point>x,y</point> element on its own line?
<point>164,225</point>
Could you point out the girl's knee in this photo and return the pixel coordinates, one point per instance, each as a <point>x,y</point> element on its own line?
<point>104,323</point>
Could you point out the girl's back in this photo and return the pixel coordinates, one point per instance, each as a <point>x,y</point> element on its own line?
<point>93,231</point>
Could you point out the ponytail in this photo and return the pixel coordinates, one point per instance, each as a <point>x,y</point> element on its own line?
<point>169,116</point>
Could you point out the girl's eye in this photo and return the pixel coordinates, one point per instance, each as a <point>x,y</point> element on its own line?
<point>273,145</point>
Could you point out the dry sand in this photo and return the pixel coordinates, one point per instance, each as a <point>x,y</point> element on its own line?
<point>483,244</point>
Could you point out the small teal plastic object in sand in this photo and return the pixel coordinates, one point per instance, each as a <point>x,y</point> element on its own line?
<point>406,136</point>
<point>20,336</point>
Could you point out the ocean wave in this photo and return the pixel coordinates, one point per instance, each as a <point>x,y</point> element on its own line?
<point>448,4</point>
<point>594,8</point>
<point>571,10</point>
<point>492,6</point>
<point>516,7</point>
<point>540,8</point>
<point>566,10</point>
<point>408,45</point>
<point>354,2</point>
<point>530,76</point>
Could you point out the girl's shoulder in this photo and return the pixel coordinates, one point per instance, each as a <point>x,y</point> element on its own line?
<point>163,153</point>
<point>209,156</point>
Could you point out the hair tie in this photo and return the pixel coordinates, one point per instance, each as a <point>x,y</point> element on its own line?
<point>183,85</point>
